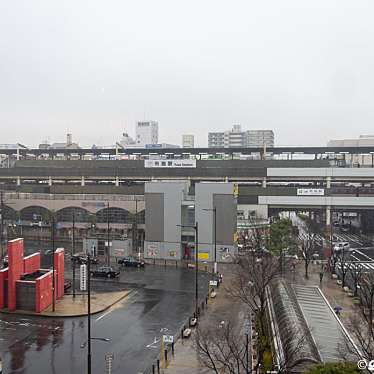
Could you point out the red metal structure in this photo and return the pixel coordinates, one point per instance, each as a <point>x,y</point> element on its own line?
<point>23,279</point>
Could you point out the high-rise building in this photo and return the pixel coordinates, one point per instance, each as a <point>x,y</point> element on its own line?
<point>188,141</point>
<point>240,139</point>
<point>146,132</point>
<point>227,139</point>
<point>259,138</point>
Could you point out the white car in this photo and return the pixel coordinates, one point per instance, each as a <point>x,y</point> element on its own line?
<point>338,247</point>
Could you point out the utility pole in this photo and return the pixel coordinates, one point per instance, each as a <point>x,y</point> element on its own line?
<point>135,236</point>
<point>196,267</point>
<point>73,253</point>
<point>196,228</point>
<point>215,240</point>
<point>214,210</point>
<point>108,236</point>
<point>2,224</point>
<point>89,313</point>
<point>53,263</point>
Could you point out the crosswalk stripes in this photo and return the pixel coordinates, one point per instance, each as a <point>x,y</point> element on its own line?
<point>348,265</point>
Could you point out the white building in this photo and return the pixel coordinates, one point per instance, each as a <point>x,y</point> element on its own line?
<point>362,141</point>
<point>236,138</point>
<point>146,133</point>
<point>364,159</point>
<point>188,141</point>
<point>259,138</point>
<point>126,140</point>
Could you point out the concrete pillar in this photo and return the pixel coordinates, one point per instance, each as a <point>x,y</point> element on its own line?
<point>18,181</point>
<point>117,181</point>
<point>82,181</point>
<point>328,216</point>
<point>17,153</point>
<point>264,182</point>
<point>328,182</point>
<point>49,181</point>
<point>226,179</point>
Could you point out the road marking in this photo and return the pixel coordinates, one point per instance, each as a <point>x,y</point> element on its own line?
<point>152,345</point>
<point>363,254</point>
<point>104,315</point>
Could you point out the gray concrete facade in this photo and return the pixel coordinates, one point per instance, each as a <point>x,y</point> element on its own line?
<point>221,197</point>
<point>163,215</point>
<point>168,207</point>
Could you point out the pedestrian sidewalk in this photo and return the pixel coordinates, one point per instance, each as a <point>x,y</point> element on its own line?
<point>333,292</point>
<point>186,360</point>
<point>69,306</point>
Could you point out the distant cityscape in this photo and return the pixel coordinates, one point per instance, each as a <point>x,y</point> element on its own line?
<point>147,137</point>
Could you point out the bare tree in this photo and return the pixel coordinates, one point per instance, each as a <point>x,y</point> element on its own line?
<point>356,271</point>
<point>307,246</point>
<point>255,271</point>
<point>343,260</point>
<point>222,347</point>
<point>308,242</point>
<point>361,324</point>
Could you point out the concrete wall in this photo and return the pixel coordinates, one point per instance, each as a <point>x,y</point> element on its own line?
<point>220,196</point>
<point>25,295</point>
<point>318,201</point>
<point>163,215</point>
<point>16,267</point>
<point>321,172</point>
<point>43,292</point>
<point>31,263</point>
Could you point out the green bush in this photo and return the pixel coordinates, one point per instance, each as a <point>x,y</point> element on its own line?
<point>267,361</point>
<point>339,368</point>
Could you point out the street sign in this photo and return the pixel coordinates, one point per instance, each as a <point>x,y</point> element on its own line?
<point>213,283</point>
<point>168,339</point>
<point>310,192</point>
<point>83,277</point>
<point>109,362</point>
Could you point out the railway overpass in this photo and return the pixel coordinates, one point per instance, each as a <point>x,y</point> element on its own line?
<point>264,185</point>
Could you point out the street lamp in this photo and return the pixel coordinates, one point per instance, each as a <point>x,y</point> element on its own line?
<point>53,261</point>
<point>83,345</point>
<point>89,313</point>
<point>196,228</point>
<point>108,235</point>
<point>214,210</point>
<point>73,253</point>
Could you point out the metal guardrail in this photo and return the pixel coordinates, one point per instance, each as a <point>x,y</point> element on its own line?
<point>91,197</point>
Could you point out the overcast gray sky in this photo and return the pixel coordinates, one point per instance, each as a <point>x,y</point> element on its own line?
<point>302,68</point>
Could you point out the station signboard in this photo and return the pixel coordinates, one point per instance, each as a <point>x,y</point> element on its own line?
<point>310,192</point>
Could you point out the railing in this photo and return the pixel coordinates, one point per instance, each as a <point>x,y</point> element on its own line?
<point>91,197</point>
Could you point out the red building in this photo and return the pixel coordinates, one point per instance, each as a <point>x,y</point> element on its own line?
<point>23,285</point>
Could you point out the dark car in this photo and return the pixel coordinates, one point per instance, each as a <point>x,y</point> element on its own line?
<point>67,284</point>
<point>104,272</point>
<point>82,260</point>
<point>131,261</point>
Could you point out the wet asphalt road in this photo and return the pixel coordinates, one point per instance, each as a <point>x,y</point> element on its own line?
<point>161,301</point>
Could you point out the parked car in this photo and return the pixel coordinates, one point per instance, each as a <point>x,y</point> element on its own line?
<point>81,259</point>
<point>131,261</point>
<point>67,284</point>
<point>104,272</point>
